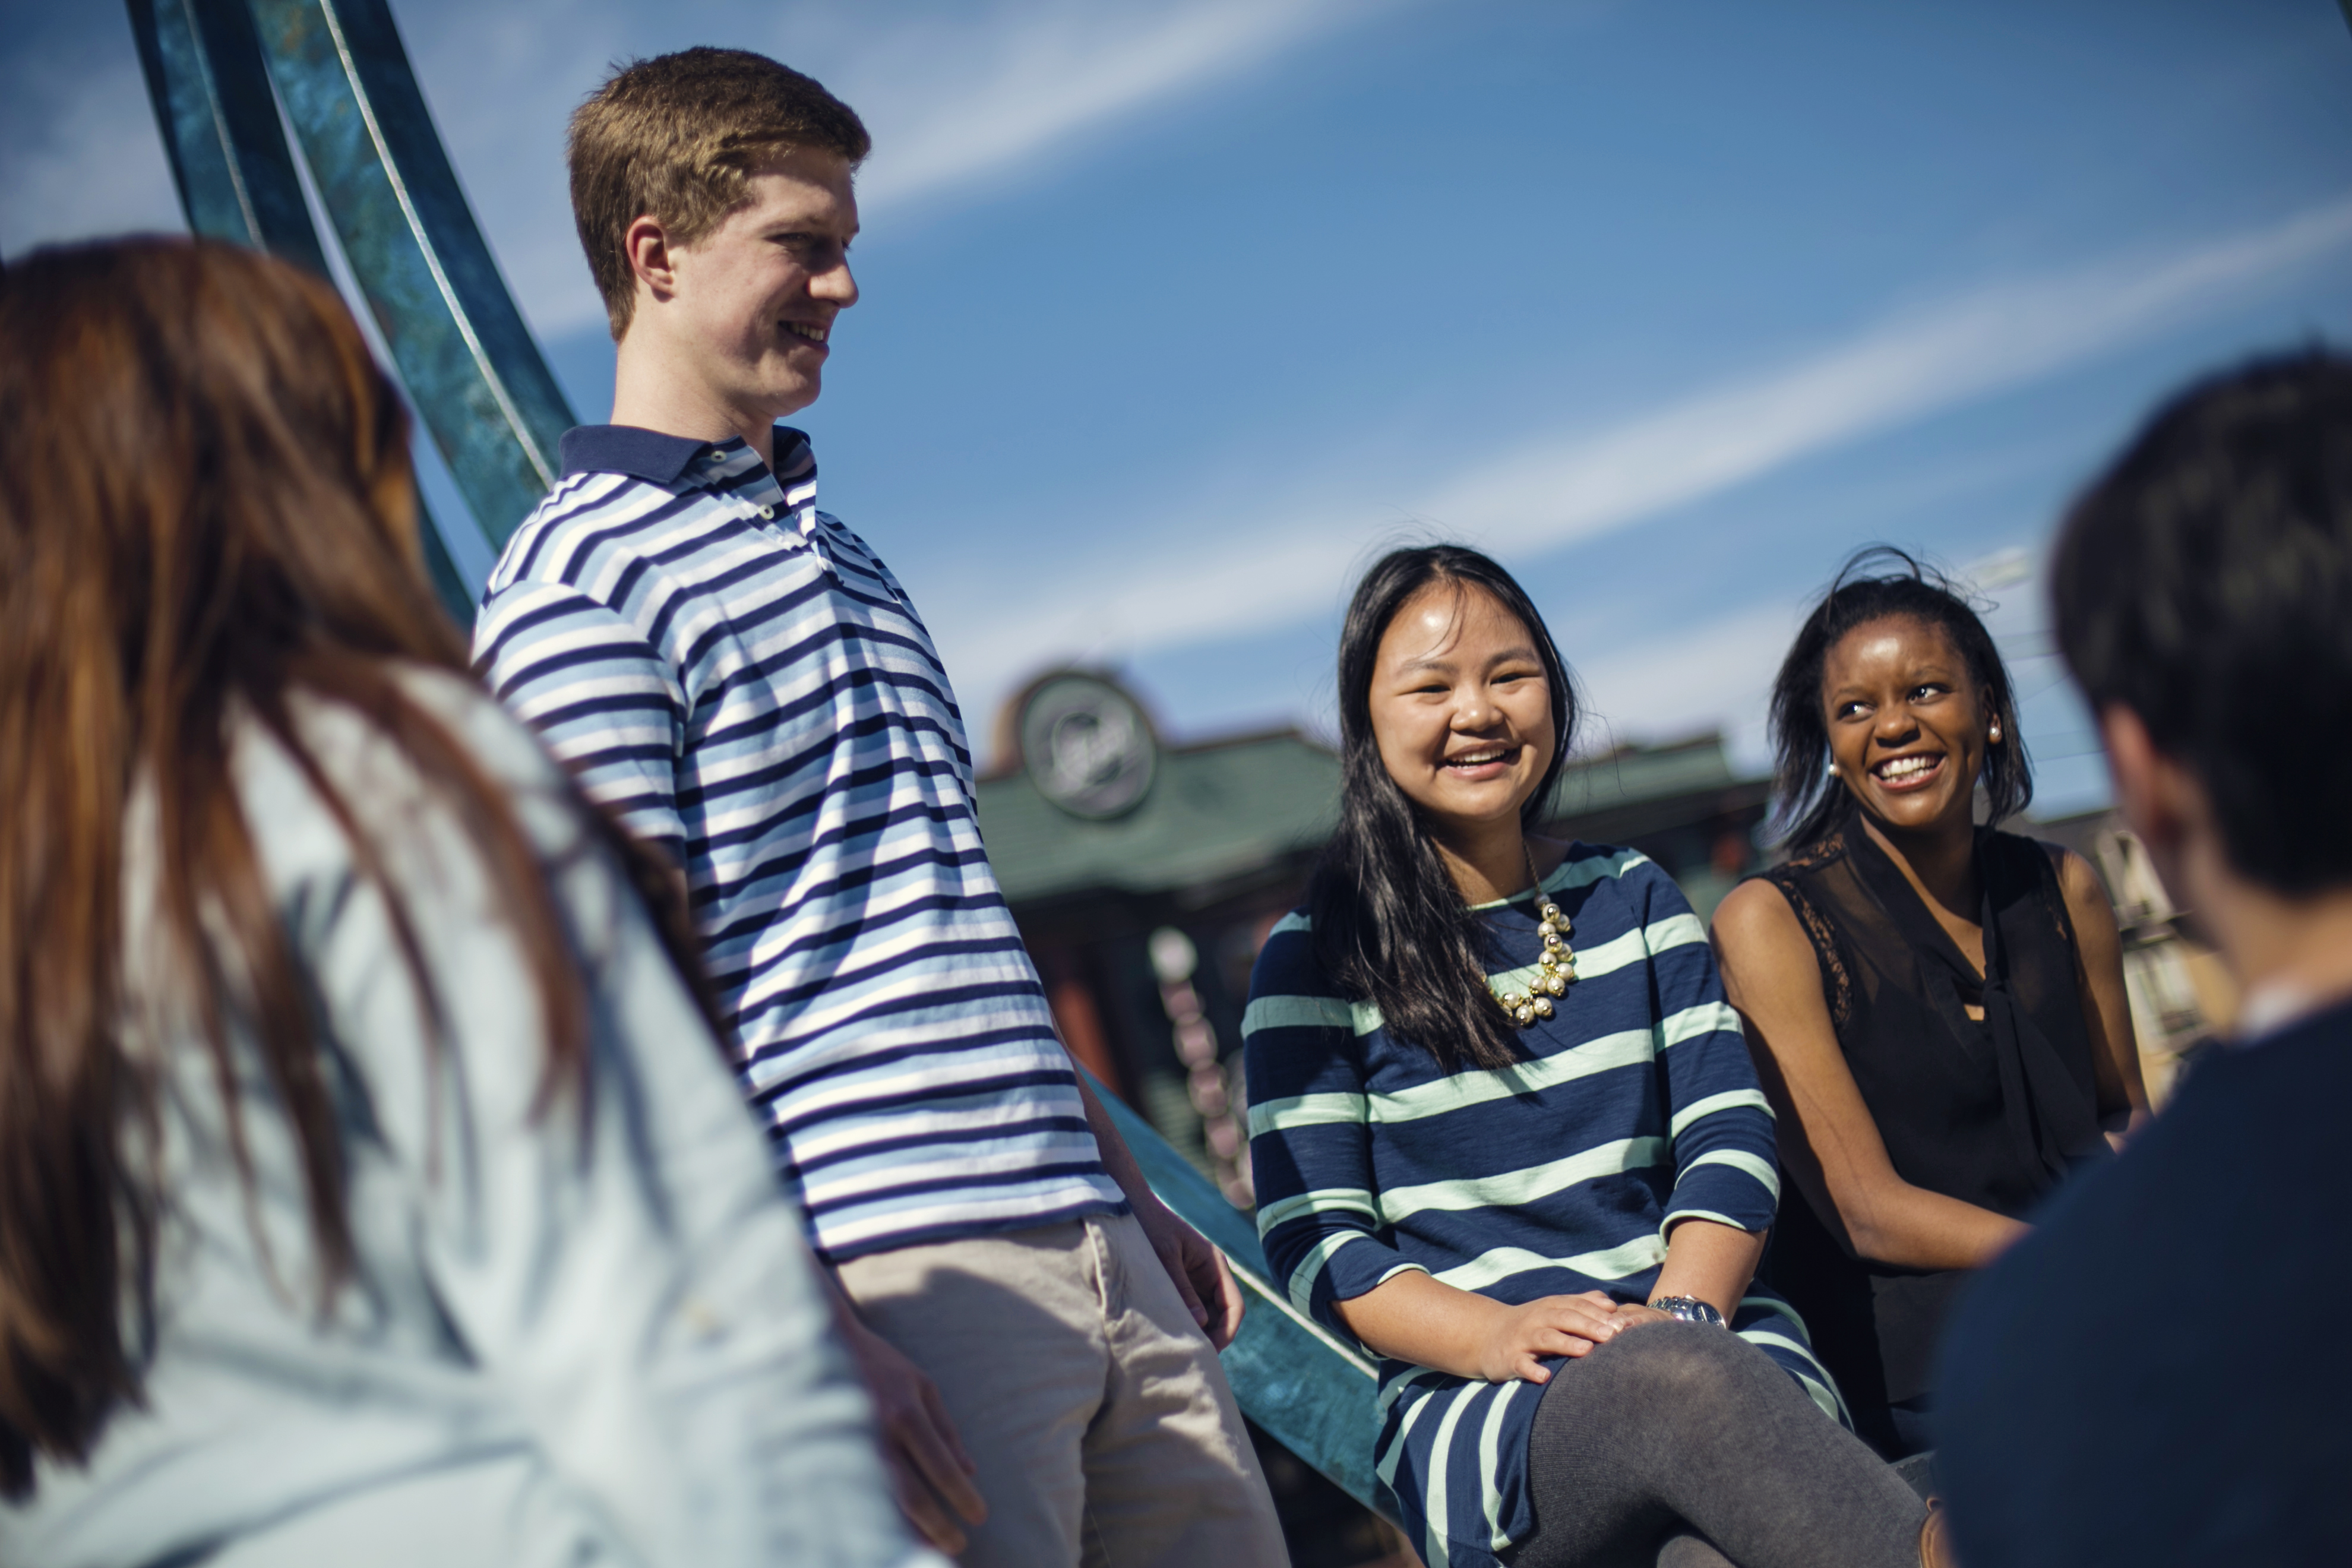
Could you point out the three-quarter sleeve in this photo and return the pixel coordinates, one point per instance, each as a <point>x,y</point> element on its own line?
<point>600,696</point>
<point>1718,1122</point>
<point>614,1260</point>
<point>1310,1142</point>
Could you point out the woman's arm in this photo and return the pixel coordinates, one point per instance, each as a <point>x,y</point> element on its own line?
<point>1710,1262</point>
<point>1726,1189</point>
<point>1415,1317</point>
<point>2106,1006</point>
<point>1419,1318</point>
<point>1829,1142</point>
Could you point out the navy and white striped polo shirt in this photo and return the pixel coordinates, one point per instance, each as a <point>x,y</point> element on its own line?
<point>746,683</point>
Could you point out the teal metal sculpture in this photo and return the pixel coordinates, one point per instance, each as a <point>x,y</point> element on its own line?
<point>235,172</point>
<point>483,391</point>
<point>471,365</point>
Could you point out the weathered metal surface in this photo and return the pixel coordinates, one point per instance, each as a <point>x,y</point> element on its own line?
<point>211,94</point>
<point>472,369</point>
<point>235,172</point>
<point>1292,1376</point>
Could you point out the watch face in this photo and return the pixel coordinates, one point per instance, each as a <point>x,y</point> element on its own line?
<point>1690,1310</point>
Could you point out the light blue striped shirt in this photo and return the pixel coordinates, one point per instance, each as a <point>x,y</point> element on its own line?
<point>745,682</point>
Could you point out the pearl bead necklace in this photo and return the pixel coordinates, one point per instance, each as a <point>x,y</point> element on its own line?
<point>1558,962</point>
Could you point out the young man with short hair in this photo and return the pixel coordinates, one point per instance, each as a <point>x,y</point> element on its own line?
<point>743,680</point>
<point>2158,1374</point>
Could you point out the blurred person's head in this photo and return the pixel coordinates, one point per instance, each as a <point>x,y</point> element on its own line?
<point>2202,589</point>
<point>712,191</point>
<point>207,510</point>
<point>1456,712</point>
<point>1893,701</point>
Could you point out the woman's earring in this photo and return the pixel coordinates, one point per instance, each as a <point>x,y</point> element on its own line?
<point>1996,730</point>
<point>1830,770</point>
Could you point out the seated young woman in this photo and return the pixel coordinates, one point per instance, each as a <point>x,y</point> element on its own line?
<point>376,1190</point>
<point>1506,1135</point>
<point>1937,1007</point>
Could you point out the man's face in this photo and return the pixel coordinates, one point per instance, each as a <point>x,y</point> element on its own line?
<point>754,299</point>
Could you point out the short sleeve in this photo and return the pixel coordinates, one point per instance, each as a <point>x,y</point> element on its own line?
<point>601,698</point>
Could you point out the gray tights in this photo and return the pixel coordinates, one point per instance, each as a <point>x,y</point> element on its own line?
<point>1677,1446</point>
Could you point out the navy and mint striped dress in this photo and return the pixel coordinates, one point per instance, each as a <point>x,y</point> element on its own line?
<point>1637,1106</point>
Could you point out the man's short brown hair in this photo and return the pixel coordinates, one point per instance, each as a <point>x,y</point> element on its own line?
<point>675,138</point>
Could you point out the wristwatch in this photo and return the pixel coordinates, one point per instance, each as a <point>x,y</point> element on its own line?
<point>1690,1309</point>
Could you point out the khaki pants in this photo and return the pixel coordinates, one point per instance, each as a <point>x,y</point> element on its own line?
<point>1097,1411</point>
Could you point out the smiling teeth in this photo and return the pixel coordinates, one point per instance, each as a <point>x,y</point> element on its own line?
<point>800,328</point>
<point>1903,767</point>
<point>1476,759</point>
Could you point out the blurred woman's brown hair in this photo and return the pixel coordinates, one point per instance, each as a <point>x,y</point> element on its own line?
<point>206,508</point>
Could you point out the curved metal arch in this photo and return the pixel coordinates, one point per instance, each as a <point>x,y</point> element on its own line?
<point>236,174</point>
<point>472,367</point>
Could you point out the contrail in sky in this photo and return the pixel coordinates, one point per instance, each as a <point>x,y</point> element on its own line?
<point>1235,575</point>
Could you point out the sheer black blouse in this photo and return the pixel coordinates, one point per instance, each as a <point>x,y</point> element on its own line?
<point>1991,1111</point>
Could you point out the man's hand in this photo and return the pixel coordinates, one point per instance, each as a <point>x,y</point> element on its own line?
<point>1203,1280</point>
<point>1198,1269</point>
<point>929,1472</point>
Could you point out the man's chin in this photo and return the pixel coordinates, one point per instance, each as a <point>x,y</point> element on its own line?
<point>793,397</point>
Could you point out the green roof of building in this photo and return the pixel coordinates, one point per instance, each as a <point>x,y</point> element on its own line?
<point>1232,807</point>
<point>1212,812</point>
<point>1636,774</point>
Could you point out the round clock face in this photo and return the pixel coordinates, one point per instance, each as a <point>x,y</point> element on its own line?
<point>1087,746</point>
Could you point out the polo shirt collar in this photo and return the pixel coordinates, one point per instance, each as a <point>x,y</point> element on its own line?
<point>661,460</point>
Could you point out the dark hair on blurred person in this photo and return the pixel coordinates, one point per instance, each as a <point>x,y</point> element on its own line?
<point>206,509</point>
<point>1880,583</point>
<point>2204,581</point>
<point>1389,920</point>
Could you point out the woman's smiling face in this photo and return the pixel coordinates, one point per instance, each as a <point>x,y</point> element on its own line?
<point>1461,708</point>
<point>1909,727</point>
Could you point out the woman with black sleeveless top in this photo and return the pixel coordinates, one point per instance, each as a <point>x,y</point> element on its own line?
<point>1937,1008</point>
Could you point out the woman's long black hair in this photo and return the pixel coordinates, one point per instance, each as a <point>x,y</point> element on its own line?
<point>1875,583</point>
<point>1389,925</point>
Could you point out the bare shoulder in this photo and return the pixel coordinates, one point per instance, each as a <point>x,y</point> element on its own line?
<point>1771,972</point>
<point>2087,904</point>
<point>2076,878</point>
<point>1755,917</point>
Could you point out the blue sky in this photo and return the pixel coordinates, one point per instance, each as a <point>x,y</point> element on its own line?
<point>1175,313</point>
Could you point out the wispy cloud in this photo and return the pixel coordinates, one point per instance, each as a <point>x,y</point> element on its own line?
<point>960,98</point>
<point>1239,575</point>
<point>1555,492</point>
<point>954,112</point>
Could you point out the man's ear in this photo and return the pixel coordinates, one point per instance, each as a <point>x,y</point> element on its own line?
<point>2164,803</point>
<point>647,245</point>
<point>2144,793</point>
